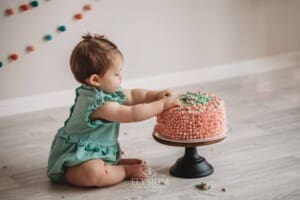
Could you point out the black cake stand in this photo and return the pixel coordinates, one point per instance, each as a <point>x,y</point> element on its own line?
<point>191,164</point>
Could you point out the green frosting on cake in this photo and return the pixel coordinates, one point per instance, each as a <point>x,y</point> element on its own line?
<point>191,98</point>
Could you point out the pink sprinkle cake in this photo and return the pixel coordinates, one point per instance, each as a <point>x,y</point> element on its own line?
<point>200,116</point>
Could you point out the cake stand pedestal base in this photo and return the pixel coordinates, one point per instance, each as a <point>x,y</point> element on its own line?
<point>191,165</point>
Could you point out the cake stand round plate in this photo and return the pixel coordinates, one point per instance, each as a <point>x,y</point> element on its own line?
<point>191,164</point>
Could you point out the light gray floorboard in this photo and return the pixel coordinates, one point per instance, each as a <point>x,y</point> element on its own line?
<point>260,158</point>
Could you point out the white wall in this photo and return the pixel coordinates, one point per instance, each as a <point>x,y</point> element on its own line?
<point>281,25</point>
<point>156,37</point>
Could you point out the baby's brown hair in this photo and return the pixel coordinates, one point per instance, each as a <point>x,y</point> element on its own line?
<point>92,55</point>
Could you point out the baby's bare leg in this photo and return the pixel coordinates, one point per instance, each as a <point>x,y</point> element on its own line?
<point>95,173</point>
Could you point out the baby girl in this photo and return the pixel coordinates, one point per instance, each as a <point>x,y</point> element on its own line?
<point>85,151</point>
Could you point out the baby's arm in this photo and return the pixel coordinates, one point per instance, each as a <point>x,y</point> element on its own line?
<point>113,111</point>
<point>137,96</point>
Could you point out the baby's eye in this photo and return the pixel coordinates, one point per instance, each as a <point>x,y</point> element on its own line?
<point>117,74</point>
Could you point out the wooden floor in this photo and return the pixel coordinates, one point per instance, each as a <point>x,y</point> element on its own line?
<point>260,159</point>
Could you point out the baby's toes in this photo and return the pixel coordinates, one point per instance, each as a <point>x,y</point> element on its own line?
<point>142,172</point>
<point>140,177</point>
<point>131,161</point>
<point>147,170</point>
<point>139,161</point>
<point>136,161</point>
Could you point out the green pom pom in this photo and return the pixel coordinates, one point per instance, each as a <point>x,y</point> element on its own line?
<point>34,3</point>
<point>62,28</point>
<point>48,37</point>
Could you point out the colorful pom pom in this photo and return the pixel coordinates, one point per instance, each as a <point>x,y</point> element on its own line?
<point>1,64</point>
<point>87,7</point>
<point>9,11</point>
<point>48,37</point>
<point>30,48</point>
<point>78,16</point>
<point>14,56</point>
<point>25,7</point>
<point>62,28</point>
<point>34,3</point>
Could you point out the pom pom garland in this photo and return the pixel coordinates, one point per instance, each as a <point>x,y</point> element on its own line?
<point>48,37</point>
<point>30,48</point>
<point>78,16</point>
<point>24,7</point>
<point>9,11</point>
<point>13,56</point>
<point>87,7</point>
<point>62,28</point>
<point>34,3</point>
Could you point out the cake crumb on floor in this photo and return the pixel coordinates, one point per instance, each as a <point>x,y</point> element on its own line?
<point>203,186</point>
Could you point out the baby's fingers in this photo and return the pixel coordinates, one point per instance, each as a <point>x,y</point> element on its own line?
<point>169,93</point>
<point>176,103</point>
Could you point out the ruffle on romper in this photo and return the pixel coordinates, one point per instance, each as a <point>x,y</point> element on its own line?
<point>75,151</point>
<point>103,97</point>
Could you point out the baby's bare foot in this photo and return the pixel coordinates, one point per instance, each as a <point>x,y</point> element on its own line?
<point>131,161</point>
<point>136,172</point>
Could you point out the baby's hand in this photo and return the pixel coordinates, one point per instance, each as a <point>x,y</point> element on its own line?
<point>170,102</point>
<point>165,93</point>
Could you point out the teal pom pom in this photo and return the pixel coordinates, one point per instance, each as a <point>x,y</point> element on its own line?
<point>34,3</point>
<point>62,28</point>
<point>48,37</point>
<point>1,64</point>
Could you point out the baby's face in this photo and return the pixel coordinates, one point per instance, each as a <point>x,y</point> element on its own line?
<point>112,78</point>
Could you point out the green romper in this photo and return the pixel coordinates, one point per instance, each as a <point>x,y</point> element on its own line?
<point>81,139</point>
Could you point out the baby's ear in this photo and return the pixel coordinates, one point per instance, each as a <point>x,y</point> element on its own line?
<point>94,80</point>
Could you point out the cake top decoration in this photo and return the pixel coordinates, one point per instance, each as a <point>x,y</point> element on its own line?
<point>191,98</point>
